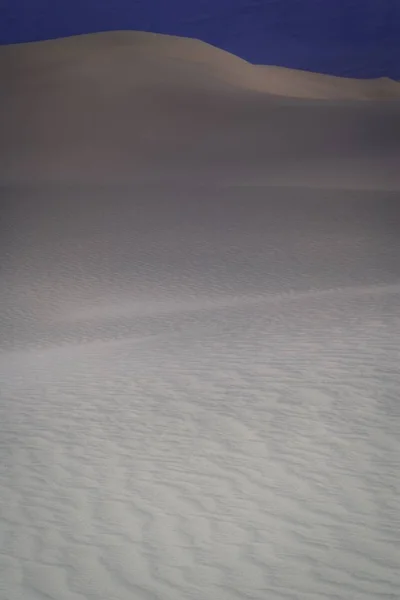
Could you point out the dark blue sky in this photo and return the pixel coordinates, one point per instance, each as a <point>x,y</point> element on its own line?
<point>345,37</point>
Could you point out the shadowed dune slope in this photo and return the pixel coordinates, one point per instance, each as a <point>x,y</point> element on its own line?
<point>124,105</point>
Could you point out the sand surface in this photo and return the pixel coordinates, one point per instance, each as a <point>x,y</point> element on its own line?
<point>199,327</point>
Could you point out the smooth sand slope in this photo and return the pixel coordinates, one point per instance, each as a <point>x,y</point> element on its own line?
<point>199,327</point>
<point>113,107</point>
<point>97,51</point>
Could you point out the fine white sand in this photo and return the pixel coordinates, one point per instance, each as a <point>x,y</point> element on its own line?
<point>199,327</point>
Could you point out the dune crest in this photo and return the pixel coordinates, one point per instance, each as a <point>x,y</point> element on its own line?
<point>154,51</point>
<point>128,106</point>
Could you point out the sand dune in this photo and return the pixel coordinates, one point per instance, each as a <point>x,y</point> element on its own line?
<point>95,52</point>
<point>199,326</point>
<point>123,106</point>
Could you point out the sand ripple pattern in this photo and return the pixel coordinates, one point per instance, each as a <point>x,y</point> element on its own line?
<point>253,454</point>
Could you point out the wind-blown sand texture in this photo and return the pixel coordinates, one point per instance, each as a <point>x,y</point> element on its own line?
<point>199,327</point>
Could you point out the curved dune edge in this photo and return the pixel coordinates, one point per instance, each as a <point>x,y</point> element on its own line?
<point>139,50</point>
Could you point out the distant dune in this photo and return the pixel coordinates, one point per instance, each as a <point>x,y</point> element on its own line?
<point>116,106</point>
<point>147,53</point>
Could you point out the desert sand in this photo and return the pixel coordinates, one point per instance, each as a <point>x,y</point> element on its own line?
<point>116,107</point>
<point>199,326</point>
